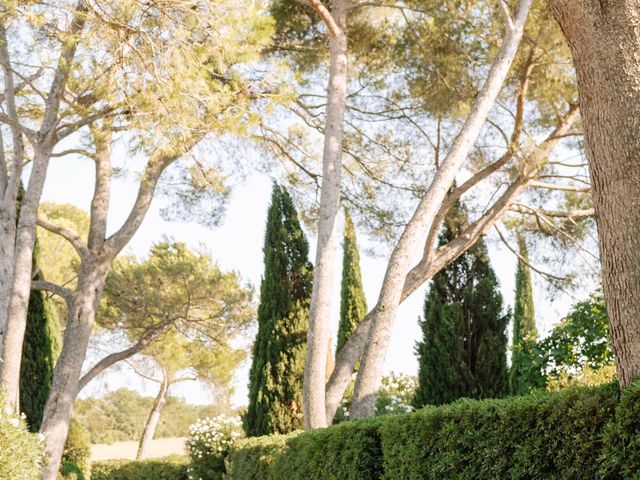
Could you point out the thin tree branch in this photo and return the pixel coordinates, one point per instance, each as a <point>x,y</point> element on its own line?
<point>69,235</point>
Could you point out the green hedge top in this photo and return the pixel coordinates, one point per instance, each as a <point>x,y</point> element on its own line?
<point>168,468</point>
<point>579,433</point>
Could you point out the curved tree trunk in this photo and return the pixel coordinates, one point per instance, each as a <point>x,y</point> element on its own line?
<point>154,418</point>
<point>328,232</point>
<point>604,36</point>
<point>379,336</point>
<point>66,376</point>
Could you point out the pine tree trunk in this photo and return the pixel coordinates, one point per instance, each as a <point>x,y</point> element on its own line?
<point>604,36</point>
<point>7,249</point>
<point>328,232</point>
<point>154,418</point>
<point>23,265</point>
<point>66,376</point>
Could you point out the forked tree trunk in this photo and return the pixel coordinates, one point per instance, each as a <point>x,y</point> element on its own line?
<point>154,418</point>
<point>604,36</point>
<point>57,413</point>
<point>318,334</point>
<point>369,376</point>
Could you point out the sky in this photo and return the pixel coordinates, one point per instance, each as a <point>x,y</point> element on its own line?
<point>236,244</point>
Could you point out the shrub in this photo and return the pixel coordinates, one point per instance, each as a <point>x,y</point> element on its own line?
<point>253,458</point>
<point>582,432</point>
<point>21,452</point>
<point>77,451</point>
<point>348,451</point>
<point>548,435</point>
<point>168,468</point>
<point>396,394</point>
<point>208,445</point>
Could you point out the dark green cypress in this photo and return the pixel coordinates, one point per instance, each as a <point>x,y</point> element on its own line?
<point>275,379</point>
<point>524,374</point>
<point>353,304</point>
<point>463,349</point>
<point>42,341</point>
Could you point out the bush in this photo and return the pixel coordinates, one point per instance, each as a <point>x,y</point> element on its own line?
<point>551,436</point>
<point>583,432</point>
<point>208,445</point>
<point>168,468</point>
<point>253,458</point>
<point>76,463</point>
<point>348,451</point>
<point>21,452</point>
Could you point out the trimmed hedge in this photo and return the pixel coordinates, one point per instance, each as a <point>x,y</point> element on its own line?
<point>575,434</point>
<point>168,468</point>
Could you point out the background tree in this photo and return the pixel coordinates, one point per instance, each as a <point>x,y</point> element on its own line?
<point>524,374</point>
<point>194,311</point>
<point>463,350</point>
<point>40,351</point>
<point>162,95</point>
<point>579,348</point>
<point>275,379</point>
<point>353,304</point>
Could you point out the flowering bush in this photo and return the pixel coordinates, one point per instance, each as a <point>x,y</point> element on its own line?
<point>396,394</point>
<point>21,452</point>
<point>208,445</point>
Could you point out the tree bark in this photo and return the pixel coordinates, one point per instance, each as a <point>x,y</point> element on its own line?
<point>604,36</point>
<point>57,414</point>
<point>318,334</point>
<point>23,264</point>
<point>154,418</point>
<point>370,373</point>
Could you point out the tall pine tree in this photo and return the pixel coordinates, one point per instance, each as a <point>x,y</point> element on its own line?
<point>463,349</point>
<point>353,304</point>
<point>275,379</point>
<point>525,373</point>
<point>42,342</point>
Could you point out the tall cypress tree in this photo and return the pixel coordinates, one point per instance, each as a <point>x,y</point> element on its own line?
<point>275,379</point>
<point>463,349</point>
<point>353,304</point>
<point>42,342</point>
<point>524,374</point>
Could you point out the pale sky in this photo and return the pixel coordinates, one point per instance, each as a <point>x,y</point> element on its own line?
<point>237,245</point>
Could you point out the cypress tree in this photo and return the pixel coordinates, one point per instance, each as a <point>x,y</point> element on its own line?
<point>524,374</point>
<point>353,304</point>
<point>42,342</point>
<point>275,379</point>
<point>463,349</point>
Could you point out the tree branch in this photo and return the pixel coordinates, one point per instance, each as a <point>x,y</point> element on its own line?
<point>62,292</point>
<point>69,235</point>
<point>325,15</point>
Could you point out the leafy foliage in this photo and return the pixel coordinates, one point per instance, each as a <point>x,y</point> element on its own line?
<point>120,416</point>
<point>582,432</point>
<point>580,345</point>
<point>210,440</point>
<point>524,374</point>
<point>42,342</point>
<point>463,350</point>
<point>21,452</point>
<point>167,468</point>
<point>353,304</point>
<point>77,451</point>
<point>275,379</point>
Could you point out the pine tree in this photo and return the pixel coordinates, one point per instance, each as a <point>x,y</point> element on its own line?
<point>463,349</point>
<point>353,304</point>
<point>486,332</point>
<point>275,379</point>
<point>525,374</point>
<point>40,350</point>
